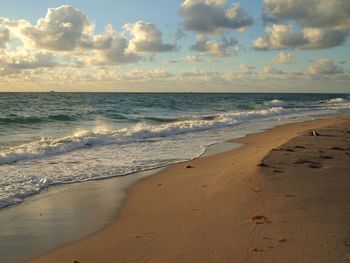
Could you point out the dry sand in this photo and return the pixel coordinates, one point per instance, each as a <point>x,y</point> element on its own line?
<point>295,207</point>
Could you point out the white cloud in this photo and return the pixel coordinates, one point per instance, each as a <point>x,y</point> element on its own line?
<point>13,62</point>
<point>283,58</point>
<point>193,59</point>
<point>205,46</point>
<point>63,28</point>
<point>147,38</point>
<point>117,53</point>
<point>4,37</point>
<point>269,70</point>
<point>66,29</point>
<point>323,23</point>
<point>323,67</point>
<point>279,37</point>
<point>334,14</point>
<point>246,69</point>
<point>141,75</point>
<point>212,16</point>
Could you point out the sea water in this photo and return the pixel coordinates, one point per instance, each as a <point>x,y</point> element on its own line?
<point>61,138</point>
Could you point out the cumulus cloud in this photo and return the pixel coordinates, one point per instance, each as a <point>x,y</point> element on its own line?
<point>283,58</point>
<point>13,62</point>
<point>4,37</point>
<point>193,59</point>
<point>323,67</point>
<point>141,75</point>
<point>117,53</point>
<point>63,28</point>
<point>323,23</point>
<point>67,29</point>
<point>215,48</point>
<point>212,16</point>
<point>269,70</point>
<point>333,14</point>
<point>280,36</point>
<point>147,38</point>
<point>246,69</point>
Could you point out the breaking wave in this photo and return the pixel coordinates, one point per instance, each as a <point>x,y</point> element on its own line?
<point>47,147</point>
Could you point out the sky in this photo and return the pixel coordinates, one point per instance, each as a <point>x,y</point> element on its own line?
<point>175,45</point>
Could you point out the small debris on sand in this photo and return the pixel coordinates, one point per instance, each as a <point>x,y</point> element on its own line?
<point>259,219</point>
<point>282,240</point>
<point>289,195</point>
<point>75,261</point>
<point>189,167</point>
<point>257,190</point>
<point>314,133</point>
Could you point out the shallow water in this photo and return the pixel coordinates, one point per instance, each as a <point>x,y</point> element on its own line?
<point>60,138</point>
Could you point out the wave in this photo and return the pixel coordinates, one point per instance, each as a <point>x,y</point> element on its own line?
<point>250,106</point>
<point>31,119</point>
<point>81,139</point>
<point>333,101</point>
<point>277,103</point>
<point>160,119</point>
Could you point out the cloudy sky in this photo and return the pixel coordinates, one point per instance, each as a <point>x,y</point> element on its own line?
<point>175,45</point>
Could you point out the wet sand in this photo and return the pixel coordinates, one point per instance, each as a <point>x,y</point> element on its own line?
<point>283,197</point>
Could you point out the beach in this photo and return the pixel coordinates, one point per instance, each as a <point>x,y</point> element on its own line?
<point>282,197</point>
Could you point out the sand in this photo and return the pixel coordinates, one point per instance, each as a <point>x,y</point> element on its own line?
<point>283,197</point>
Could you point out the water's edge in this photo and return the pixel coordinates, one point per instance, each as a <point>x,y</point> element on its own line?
<point>61,214</point>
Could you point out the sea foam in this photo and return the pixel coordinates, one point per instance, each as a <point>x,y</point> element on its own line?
<point>141,131</point>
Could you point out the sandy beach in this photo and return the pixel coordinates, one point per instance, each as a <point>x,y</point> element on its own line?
<point>283,197</point>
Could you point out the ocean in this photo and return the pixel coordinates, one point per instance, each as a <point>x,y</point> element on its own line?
<point>61,138</point>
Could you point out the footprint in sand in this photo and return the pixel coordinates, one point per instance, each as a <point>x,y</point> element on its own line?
<point>260,219</point>
<point>254,249</point>
<point>336,148</point>
<point>326,157</point>
<point>289,195</point>
<point>257,190</point>
<point>315,166</point>
<point>278,171</point>
<point>299,147</point>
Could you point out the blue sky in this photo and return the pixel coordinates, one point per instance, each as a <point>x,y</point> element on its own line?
<point>235,51</point>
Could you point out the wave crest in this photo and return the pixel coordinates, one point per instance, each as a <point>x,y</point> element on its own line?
<point>83,139</point>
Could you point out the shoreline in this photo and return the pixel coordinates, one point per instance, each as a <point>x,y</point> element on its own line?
<point>137,236</point>
<point>38,208</point>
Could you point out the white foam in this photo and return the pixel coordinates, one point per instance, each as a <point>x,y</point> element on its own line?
<point>102,152</point>
<point>47,147</point>
<point>334,101</point>
<point>277,103</point>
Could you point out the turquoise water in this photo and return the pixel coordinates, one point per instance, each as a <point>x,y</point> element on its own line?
<point>60,138</point>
